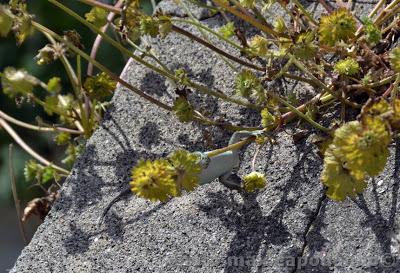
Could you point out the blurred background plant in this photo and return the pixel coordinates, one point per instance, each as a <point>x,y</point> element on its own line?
<point>43,143</point>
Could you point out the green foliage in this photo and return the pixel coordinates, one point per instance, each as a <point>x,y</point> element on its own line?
<point>373,35</point>
<point>395,59</point>
<point>100,86</point>
<point>183,109</point>
<point>6,21</point>
<point>254,181</point>
<point>227,30</point>
<point>17,82</point>
<point>97,16</point>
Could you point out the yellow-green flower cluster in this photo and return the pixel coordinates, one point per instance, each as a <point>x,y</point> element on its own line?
<point>258,46</point>
<point>348,67</point>
<point>358,149</point>
<point>336,27</point>
<point>254,181</point>
<point>6,21</point>
<point>268,120</point>
<point>162,179</point>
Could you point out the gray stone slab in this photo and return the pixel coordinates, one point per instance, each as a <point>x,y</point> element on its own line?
<point>211,229</point>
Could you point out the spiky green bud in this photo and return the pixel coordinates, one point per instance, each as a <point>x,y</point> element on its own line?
<point>62,138</point>
<point>267,119</point>
<point>337,26</point>
<point>99,86</point>
<point>348,67</point>
<point>54,85</point>
<point>258,46</point>
<point>248,3</point>
<point>373,35</point>
<point>149,25</point>
<point>246,83</point>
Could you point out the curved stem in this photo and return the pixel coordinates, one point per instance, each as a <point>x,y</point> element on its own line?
<point>235,146</point>
<point>209,30</point>
<point>97,41</point>
<point>102,5</point>
<point>28,149</point>
<point>38,128</point>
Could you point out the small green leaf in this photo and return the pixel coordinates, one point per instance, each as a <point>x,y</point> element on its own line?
<point>227,30</point>
<point>97,16</point>
<point>17,82</point>
<point>6,21</point>
<point>54,85</point>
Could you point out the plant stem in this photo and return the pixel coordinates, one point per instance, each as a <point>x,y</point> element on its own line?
<point>98,4</point>
<point>101,67</point>
<point>395,89</point>
<point>28,149</point>
<point>17,202</point>
<point>235,146</point>
<point>248,19</point>
<point>212,47</point>
<point>299,113</point>
<point>167,74</point>
<point>305,12</point>
<point>97,41</point>
<point>38,128</point>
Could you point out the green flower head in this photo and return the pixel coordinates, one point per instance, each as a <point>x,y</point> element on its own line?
<point>187,169</point>
<point>348,67</point>
<point>246,83</point>
<point>253,181</point>
<point>336,27</point>
<point>154,180</point>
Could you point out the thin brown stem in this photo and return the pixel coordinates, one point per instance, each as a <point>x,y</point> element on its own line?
<point>99,4</point>
<point>214,48</point>
<point>99,38</point>
<point>38,128</point>
<point>17,202</point>
<point>28,149</point>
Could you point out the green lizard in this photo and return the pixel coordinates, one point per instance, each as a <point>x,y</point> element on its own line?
<point>220,166</point>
